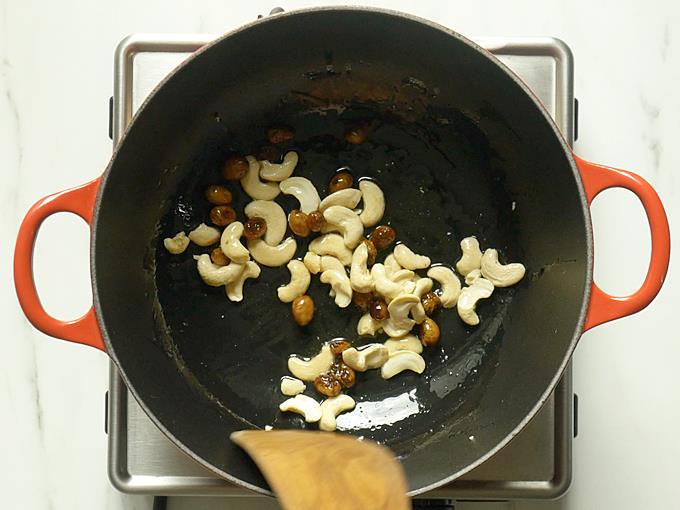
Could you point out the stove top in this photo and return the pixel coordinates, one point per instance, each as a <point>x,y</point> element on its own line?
<point>535,464</point>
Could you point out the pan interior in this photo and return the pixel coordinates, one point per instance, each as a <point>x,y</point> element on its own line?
<point>458,148</point>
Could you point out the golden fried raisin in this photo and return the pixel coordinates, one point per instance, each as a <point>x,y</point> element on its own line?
<point>431,303</point>
<point>298,222</point>
<point>218,195</point>
<point>280,134</point>
<point>344,374</point>
<point>302,308</point>
<point>372,251</point>
<point>378,309</point>
<point>255,228</point>
<point>341,180</point>
<point>315,221</point>
<point>235,168</point>
<point>357,134</point>
<point>338,345</point>
<point>383,236</point>
<point>218,257</point>
<point>327,385</point>
<point>362,300</point>
<point>428,332</point>
<point>222,215</point>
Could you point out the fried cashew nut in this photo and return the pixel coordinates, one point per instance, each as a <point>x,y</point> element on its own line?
<point>499,274</point>
<point>299,282</point>
<point>308,369</point>
<point>230,243</point>
<point>272,256</point>
<point>215,275</point>
<point>235,288</point>
<point>332,244</point>
<point>367,357</point>
<point>254,187</point>
<point>331,408</point>
<point>273,215</point>
<point>203,235</point>
<point>408,259</point>
<point>406,343</point>
<point>472,256</point>
<point>305,192</point>
<point>400,361</point>
<point>467,301</point>
<point>347,223</point>
<point>449,284</point>
<point>348,197</point>
<point>374,203</point>
<point>279,171</point>
<point>303,405</point>
<point>176,244</point>
<point>359,275</point>
<point>290,386</point>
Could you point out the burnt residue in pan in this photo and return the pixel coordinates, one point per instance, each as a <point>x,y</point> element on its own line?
<point>441,181</point>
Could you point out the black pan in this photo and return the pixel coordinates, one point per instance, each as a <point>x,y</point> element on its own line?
<point>460,147</point>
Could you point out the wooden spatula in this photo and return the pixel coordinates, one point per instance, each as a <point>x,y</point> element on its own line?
<point>310,470</point>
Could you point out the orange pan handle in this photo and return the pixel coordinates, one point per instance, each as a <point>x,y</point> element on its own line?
<point>80,201</point>
<point>603,307</point>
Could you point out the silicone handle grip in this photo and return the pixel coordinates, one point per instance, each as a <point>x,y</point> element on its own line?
<point>80,201</point>
<point>603,307</point>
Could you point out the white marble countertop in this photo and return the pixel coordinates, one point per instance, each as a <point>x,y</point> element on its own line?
<point>56,75</point>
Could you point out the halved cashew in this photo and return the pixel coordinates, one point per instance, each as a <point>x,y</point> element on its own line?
<point>304,405</point>
<point>498,274</point>
<point>312,262</point>
<point>329,262</point>
<point>308,369</point>
<point>290,386</point>
<point>407,343</point>
<point>302,189</point>
<point>383,284</point>
<point>347,223</point>
<point>332,407</point>
<point>472,256</point>
<point>340,284</point>
<point>367,357</point>
<point>399,309</point>
<point>254,187</point>
<point>176,244</point>
<point>215,275</point>
<point>449,283</point>
<point>392,330</point>
<point>367,325</point>
<point>400,361</point>
<point>272,256</point>
<point>359,275</point>
<point>299,282</point>
<point>348,197</point>
<point>273,214</point>
<point>409,260</point>
<point>472,276</point>
<point>374,203</point>
<point>391,265</point>
<point>332,244</point>
<point>203,235</point>
<point>235,288</point>
<point>421,287</point>
<point>230,243</point>
<point>279,171</point>
<point>467,301</point>
<point>402,275</point>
